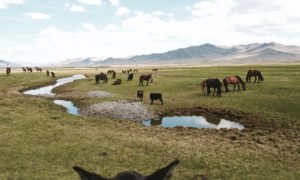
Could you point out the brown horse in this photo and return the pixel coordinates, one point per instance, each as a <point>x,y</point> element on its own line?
<point>8,71</point>
<point>255,73</point>
<point>145,78</point>
<point>29,69</point>
<point>48,73</point>
<point>24,69</point>
<point>101,77</point>
<point>52,74</point>
<point>235,80</point>
<point>39,69</point>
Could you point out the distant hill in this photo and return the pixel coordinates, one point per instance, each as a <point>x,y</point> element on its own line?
<point>205,54</point>
<point>3,64</point>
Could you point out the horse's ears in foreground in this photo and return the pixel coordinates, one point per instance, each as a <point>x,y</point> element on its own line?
<point>164,173</point>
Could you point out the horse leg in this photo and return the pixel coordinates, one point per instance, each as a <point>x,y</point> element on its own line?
<point>214,92</point>
<point>238,86</point>
<point>255,79</point>
<point>162,102</point>
<point>208,91</point>
<point>234,87</point>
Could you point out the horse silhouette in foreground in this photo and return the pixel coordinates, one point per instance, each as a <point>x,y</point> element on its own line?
<point>164,173</point>
<point>212,83</point>
<point>145,78</point>
<point>255,73</point>
<point>235,80</point>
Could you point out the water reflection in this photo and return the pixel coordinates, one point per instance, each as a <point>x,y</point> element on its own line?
<point>47,90</point>
<point>194,121</point>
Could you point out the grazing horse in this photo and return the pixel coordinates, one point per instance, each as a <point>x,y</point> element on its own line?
<point>212,83</point>
<point>124,71</point>
<point>24,69</point>
<point>8,71</point>
<point>130,77</point>
<point>101,77</point>
<point>156,96</point>
<point>117,82</point>
<point>164,173</point>
<point>255,73</point>
<point>145,78</point>
<point>48,73</point>
<point>135,70</point>
<point>52,74</point>
<point>154,70</point>
<point>235,80</point>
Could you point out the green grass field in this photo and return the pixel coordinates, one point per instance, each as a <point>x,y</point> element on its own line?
<point>40,140</point>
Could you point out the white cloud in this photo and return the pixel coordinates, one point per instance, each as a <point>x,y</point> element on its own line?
<point>91,2</point>
<point>5,3</point>
<point>122,11</point>
<point>38,16</point>
<point>114,2</point>
<point>89,27</point>
<point>77,8</point>
<point>158,13</point>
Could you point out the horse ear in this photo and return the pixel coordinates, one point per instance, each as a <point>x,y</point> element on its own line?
<point>85,175</point>
<point>163,173</point>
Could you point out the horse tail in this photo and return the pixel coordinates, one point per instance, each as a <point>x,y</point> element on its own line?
<point>203,85</point>
<point>248,75</point>
<point>225,83</point>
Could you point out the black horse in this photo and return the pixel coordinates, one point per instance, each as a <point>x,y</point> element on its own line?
<point>130,77</point>
<point>52,74</point>
<point>255,73</point>
<point>48,73</point>
<point>160,174</point>
<point>145,78</point>
<point>101,77</point>
<point>212,83</point>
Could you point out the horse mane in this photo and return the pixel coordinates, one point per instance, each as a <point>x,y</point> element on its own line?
<point>240,79</point>
<point>260,76</point>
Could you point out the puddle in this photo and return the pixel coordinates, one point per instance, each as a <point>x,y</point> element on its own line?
<point>68,105</point>
<point>193,121</point>
<point>47,90</point>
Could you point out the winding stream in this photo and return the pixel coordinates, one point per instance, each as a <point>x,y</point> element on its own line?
<point>47,91</point>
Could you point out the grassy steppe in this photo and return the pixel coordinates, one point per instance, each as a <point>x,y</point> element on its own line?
<point>39,140</point>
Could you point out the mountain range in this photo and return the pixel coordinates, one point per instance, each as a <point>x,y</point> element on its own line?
<point>205,54</point>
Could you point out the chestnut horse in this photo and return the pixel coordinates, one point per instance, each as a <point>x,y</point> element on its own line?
<point>235,80</point>
<point>255,73</point>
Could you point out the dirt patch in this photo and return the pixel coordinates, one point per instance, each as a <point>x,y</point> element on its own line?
<point>99,94</point>
<point>122,109</point>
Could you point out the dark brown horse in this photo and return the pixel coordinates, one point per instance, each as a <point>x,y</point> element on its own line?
<point>48,73</point>
<point>164,173</point>
<point>110,71</point>
<point>8,71</point>
<point>29,69</point>
<point>39,69</point>
<point>255,73</point>
<point>52,74</point>
<point>235,80</point>
<point>145,78</point>
<point>101,77</point>
<point>117,82</point>
<point>24,69</point>
<point>212,83</point>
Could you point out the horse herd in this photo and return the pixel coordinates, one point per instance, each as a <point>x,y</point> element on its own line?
<point>217,85</point>
<point>30,69</point>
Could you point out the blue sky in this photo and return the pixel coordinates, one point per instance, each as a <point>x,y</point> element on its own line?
<point>50,31</point>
